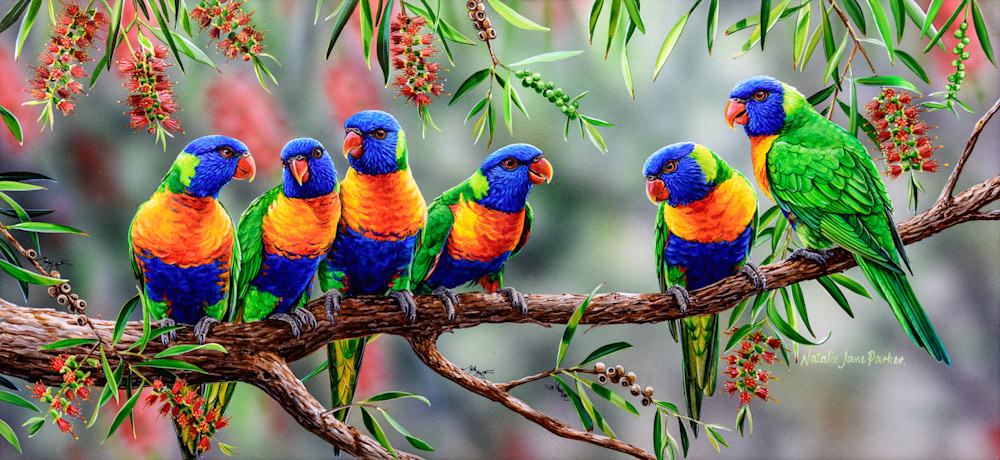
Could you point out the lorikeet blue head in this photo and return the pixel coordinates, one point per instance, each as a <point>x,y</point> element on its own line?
<point>308,169</point>
<point>371,143</point>
<point>510,173</point>
<point>207,164</point>
<point>758,103</point>
<point>683,173</point>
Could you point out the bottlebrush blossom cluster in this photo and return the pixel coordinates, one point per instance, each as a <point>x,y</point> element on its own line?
<point>744,376</point>
<point>186,407</point>
<point>151,94</point>
<point>418,79</point>
<point>225,19</point>
<point>902,138</point>
<point>75,388</point>
<point>56,80</point>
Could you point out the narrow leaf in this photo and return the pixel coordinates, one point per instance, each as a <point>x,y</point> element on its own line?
<point>123,316</point>
<point>514,17</point>
<point>170,364</point>
<point>913,65</point>
<point>474,80</point>
<point>322,367</point>
<point>852,114</point>
<point>604,392</point>
<point>633,13</point>
<point>765,18</point>
<point>367,30</point>
<point>29,276</point>
<point>13,125</point>
<point>614,19</point>
<point>26,23</point>
<point>835,293</point>
<point>585,418</point>
<point>595,12</point>
<point>738,335</point>
<point>669,43</point>
<point>12,186</point>
<point>546,57</point>
<point>13,14</point>
<point>414,441</point>
<point>899,15</point>
<point>800,306</point>
<point>506,105</point>
<point>801,37</point>
<point>373,427</point>
<point>604,351</point>
<point>16,400</point>
<point>9,435</point>
<point>343,13</point>
<point>185,348</point>
<point>882,24</point>
<point>888,80</point>
<point>713,26</point>
<point>571,325</point>
<point>594,135</point>
<point>982,33</point>
<point>831,66</point>
<point>854,11</point>
<point>124,412</point>
<point>383,41</point>
<point>932,12</point>
<point>109,375</point>
<point>786,329</point>
<point>46,227</point>
<point>390,395</point>
<point>946,26</point>
<point>850,284</point>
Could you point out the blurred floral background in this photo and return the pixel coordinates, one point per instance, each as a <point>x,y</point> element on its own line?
<point>593,224</point>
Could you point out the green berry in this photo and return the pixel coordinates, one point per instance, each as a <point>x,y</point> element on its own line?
<point>576,105</point>
<point>961,75</point>
<point>559,92</point>
<point>537,77</point>
<point>951,78</point>
<point>526,82</point>
<point>965,55</point>
<point>956,62</point>
<point>965,40</point>
<point>549,94</point>
<point>559,103</point>
<point>550,85</point>
<point>526,72</point>
<point>565,109</point>
<point>949,88</point>
<point>960,46</point>
<point>963,26</point>
<point>960,66</point>
<point>957,50</point>
<point>572,116</point>
<point>539,89</point>
<point>959,33</point>
<point>571,108</point>
<point>958,86</point>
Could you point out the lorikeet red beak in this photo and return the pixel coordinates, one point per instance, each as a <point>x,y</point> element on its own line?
<point>352,145</point>
<point>300,169</point>
<point>540,171</point>
<point>245,168</point>
<point>657,191</point>
<point>736,112</point>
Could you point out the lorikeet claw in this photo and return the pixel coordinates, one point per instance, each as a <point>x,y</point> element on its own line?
<point>202,327</point>
<point>288,319</point>
<point>755,274</point>
<point>681,296</point>
<point>816,255</point>
<point>406,303</point>
<point>304,317</point>
<point>172,335</point>
<point>332,304</point>
<point>449,299</point>
<point>516,299</point>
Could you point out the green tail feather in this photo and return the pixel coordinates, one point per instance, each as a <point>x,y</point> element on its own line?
<point>700,342</point>
<point>896,290</point>
<point>345,364</point>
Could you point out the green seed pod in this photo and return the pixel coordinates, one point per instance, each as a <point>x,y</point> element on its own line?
<point>551,99</point>
<point>959,33</point>
<point>957,50</point>
<point>572,116</point>
<point>963,26</point>
<point>559,92</point>
<point>960,66</point>
<point>539,89</point>
<point>965,40</point>
<point>571,109</point>
<point>951,78</point>
<point>600,367</point>
<point>958,86</point>
<point>526,72</point>
<point>559,103</point>
<point>576,105</point>
<point>550,85</point>
<point>965,55</point>
<point>526,82</point>
<point>961,75</point>
<point>960,46</point>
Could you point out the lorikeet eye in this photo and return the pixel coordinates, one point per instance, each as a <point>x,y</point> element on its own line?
<point>317,152</point>
<point>670,167</point>
<point>379,133</point>
<point>227,152</point>
<point>760,95</point>
<point>510,163</point>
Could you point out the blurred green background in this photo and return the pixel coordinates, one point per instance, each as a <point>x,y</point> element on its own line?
<point>593,224</point>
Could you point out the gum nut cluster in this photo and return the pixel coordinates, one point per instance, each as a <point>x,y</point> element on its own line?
<point>477,13</point>
<point>617,374</point>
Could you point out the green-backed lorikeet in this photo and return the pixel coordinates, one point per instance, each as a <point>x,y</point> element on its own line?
<point>826,185</point>
<point>473,228</point>
<point>706,223</point>
<point>181,239</point>
<point>285,234</point>
<point>382,211</point>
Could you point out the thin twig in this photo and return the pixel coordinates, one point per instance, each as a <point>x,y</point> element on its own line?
<point>857,41</point>
<point>531,378</point>
<point>425,348</point>
<point>949,187</point>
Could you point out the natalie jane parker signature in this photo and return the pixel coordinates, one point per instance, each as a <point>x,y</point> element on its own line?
<point>869,359</point>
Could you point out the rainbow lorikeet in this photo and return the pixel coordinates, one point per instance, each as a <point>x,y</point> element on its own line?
<point>181,239</point>
<point>473,228</point>
<point>382,212</point>
<point>284,235</point>
<point>828,188</point>
<point>706,224</point>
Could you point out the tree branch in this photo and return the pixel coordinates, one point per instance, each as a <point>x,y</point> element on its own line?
<point>949,187</point>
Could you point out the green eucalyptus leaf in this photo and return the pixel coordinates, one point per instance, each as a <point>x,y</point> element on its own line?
<point>514,17</point>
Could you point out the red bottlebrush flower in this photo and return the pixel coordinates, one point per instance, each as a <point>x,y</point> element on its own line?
<point>730,387</point>
<point>769,357</point>
<point>63,58</point>
<point>39,391</point>
<point>762,393</point>
<point>744,399</point>
<point>152,104</point>
<point>895,171</point>
<point>408,52</point>
<point>164,409</point>
<point>872,107</point>
<point>69,377</point>
<point>919,129</point>
<point>904,98</point>
<point>892,157</point>
<point>158,384</point>
<point>56,404</point>
<point>929,166</point>
<point>226,18</point>
<point>733,372</point>
<point>73,411</point>
<point>58,363</point>
<point>65,426</point>
<point>204,444</point>
<point>151,399</point>
<point>178,385</point>
<point>222,422</point>
<point>746,345</point>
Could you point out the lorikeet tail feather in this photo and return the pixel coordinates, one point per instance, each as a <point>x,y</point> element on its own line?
<point>700,342</point>
<point>896,290</point>
<point>345,362</point>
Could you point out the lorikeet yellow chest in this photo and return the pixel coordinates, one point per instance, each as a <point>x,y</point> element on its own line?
<point>183,231</point>
<point>759,146</point>
<point>307,226</point>
<point>384,207</point>
<point>483,234</point>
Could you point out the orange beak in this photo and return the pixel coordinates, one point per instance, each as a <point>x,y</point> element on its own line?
<point>352,145</point>
<point>736,112</point>
<point>245,168</point>
<point>300,169</point>
<point>657,191</point>
<point>540,171</point>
